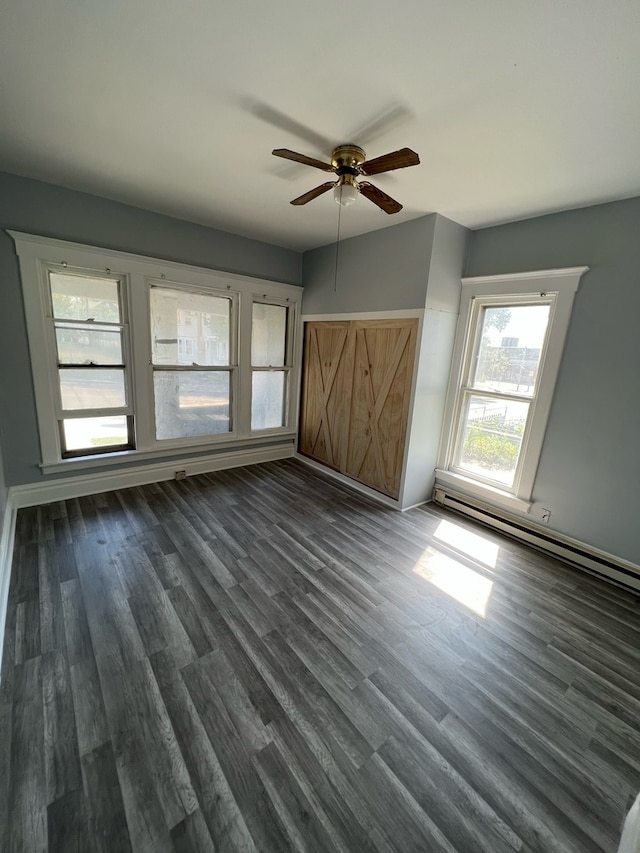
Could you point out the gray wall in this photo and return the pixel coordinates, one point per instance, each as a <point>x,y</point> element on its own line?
<point>448,256</point>
<point>380,271</point>
<point>589,472</point>
<point>51,211</point>
<point>448,260</point>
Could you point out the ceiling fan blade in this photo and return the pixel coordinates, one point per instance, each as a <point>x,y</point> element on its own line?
<point>302,158</point>
<point>323,188</point>
<point>384,201</point>
<point>395,160</point>
<point>289,125</point>
<point>390,118</point>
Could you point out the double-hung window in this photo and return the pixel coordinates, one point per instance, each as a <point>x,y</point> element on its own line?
<point>92,388</point>
<point>508,348</point>
<point>270,365</point>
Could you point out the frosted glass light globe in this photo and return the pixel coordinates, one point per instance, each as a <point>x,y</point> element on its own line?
<point>345,194</point>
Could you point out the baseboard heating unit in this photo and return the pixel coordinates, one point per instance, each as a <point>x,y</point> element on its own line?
<point>572,551</point>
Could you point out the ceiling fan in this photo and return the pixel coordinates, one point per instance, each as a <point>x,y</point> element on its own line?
<point>349,162</point>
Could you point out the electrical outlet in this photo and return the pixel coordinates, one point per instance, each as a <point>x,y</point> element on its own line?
<point>180,475</point>
<point>540,513</point>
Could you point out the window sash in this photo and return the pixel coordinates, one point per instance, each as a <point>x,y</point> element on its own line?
<point>285,368</point>
<point>76,272</point>
<point>189,290</point>
<point>286,349</point>
<point>458,449</point>
<point>190,420</point>
<point>284,402</point>
<point>129,444</point>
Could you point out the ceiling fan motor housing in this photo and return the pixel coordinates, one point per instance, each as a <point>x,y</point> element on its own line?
<point>347,159</point>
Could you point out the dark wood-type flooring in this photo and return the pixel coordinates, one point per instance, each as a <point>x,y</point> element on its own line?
<point>256,660</point>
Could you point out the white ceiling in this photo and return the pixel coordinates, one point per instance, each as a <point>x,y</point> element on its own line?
<point>516,107</point>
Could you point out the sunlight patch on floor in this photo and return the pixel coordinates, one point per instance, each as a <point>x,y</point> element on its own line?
<point>470,588</point>
<point>471,544</point>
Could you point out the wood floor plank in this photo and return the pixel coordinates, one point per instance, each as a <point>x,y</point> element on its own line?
<point>335,800</point>
<point>301,824</point>
<point>106,820</point>
<point>76,628</point>
<point>151,728</point>
<point>257,660</point>
<point>61,756</point>
<point>160,627</point>
<point>27,628</point>
<point>187,613</point>
<point>395,811</point>
<point>67,827</point>
<point>235,756</point>
<point>146,821</point>
<point>227,826</point>
<point>27,791</point>
<point>259,692</point>
<point>328,714</point>
<point>52,633</point>
<point>455,808</point>
<point>191,835</point>
<point>88,704</point>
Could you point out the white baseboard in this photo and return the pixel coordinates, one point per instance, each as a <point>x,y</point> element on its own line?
<point>572,551</point>
<point>34,494</point>
<point>348,481</point>
<point>7,536</point>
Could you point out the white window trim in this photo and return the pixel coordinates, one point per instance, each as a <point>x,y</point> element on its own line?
<point>36,254</point>
<point>559,284</point>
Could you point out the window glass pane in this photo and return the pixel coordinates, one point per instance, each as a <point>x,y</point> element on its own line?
<point>75,297</point>
<point>90,433</point>
<point>511,340</point>
<point>92,388</point>
<point>189,328</point>
<point>268,335</point>
<point>88,344</point>
<point>189,403</point>
<point>267,399</point>
<point>491,437</point>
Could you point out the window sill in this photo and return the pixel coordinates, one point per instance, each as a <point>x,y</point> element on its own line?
<point>490,494</point>
<point>125,458</point>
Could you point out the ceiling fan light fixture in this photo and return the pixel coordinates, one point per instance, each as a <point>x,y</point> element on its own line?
<point>349,162</point>
<point>345,194</point>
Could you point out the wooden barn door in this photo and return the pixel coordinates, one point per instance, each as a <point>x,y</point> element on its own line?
<point>383,373</point>
<point>356,396</point>
<point>327,379</point>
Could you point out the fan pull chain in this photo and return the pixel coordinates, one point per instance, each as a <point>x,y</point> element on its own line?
<point>335,275</point>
